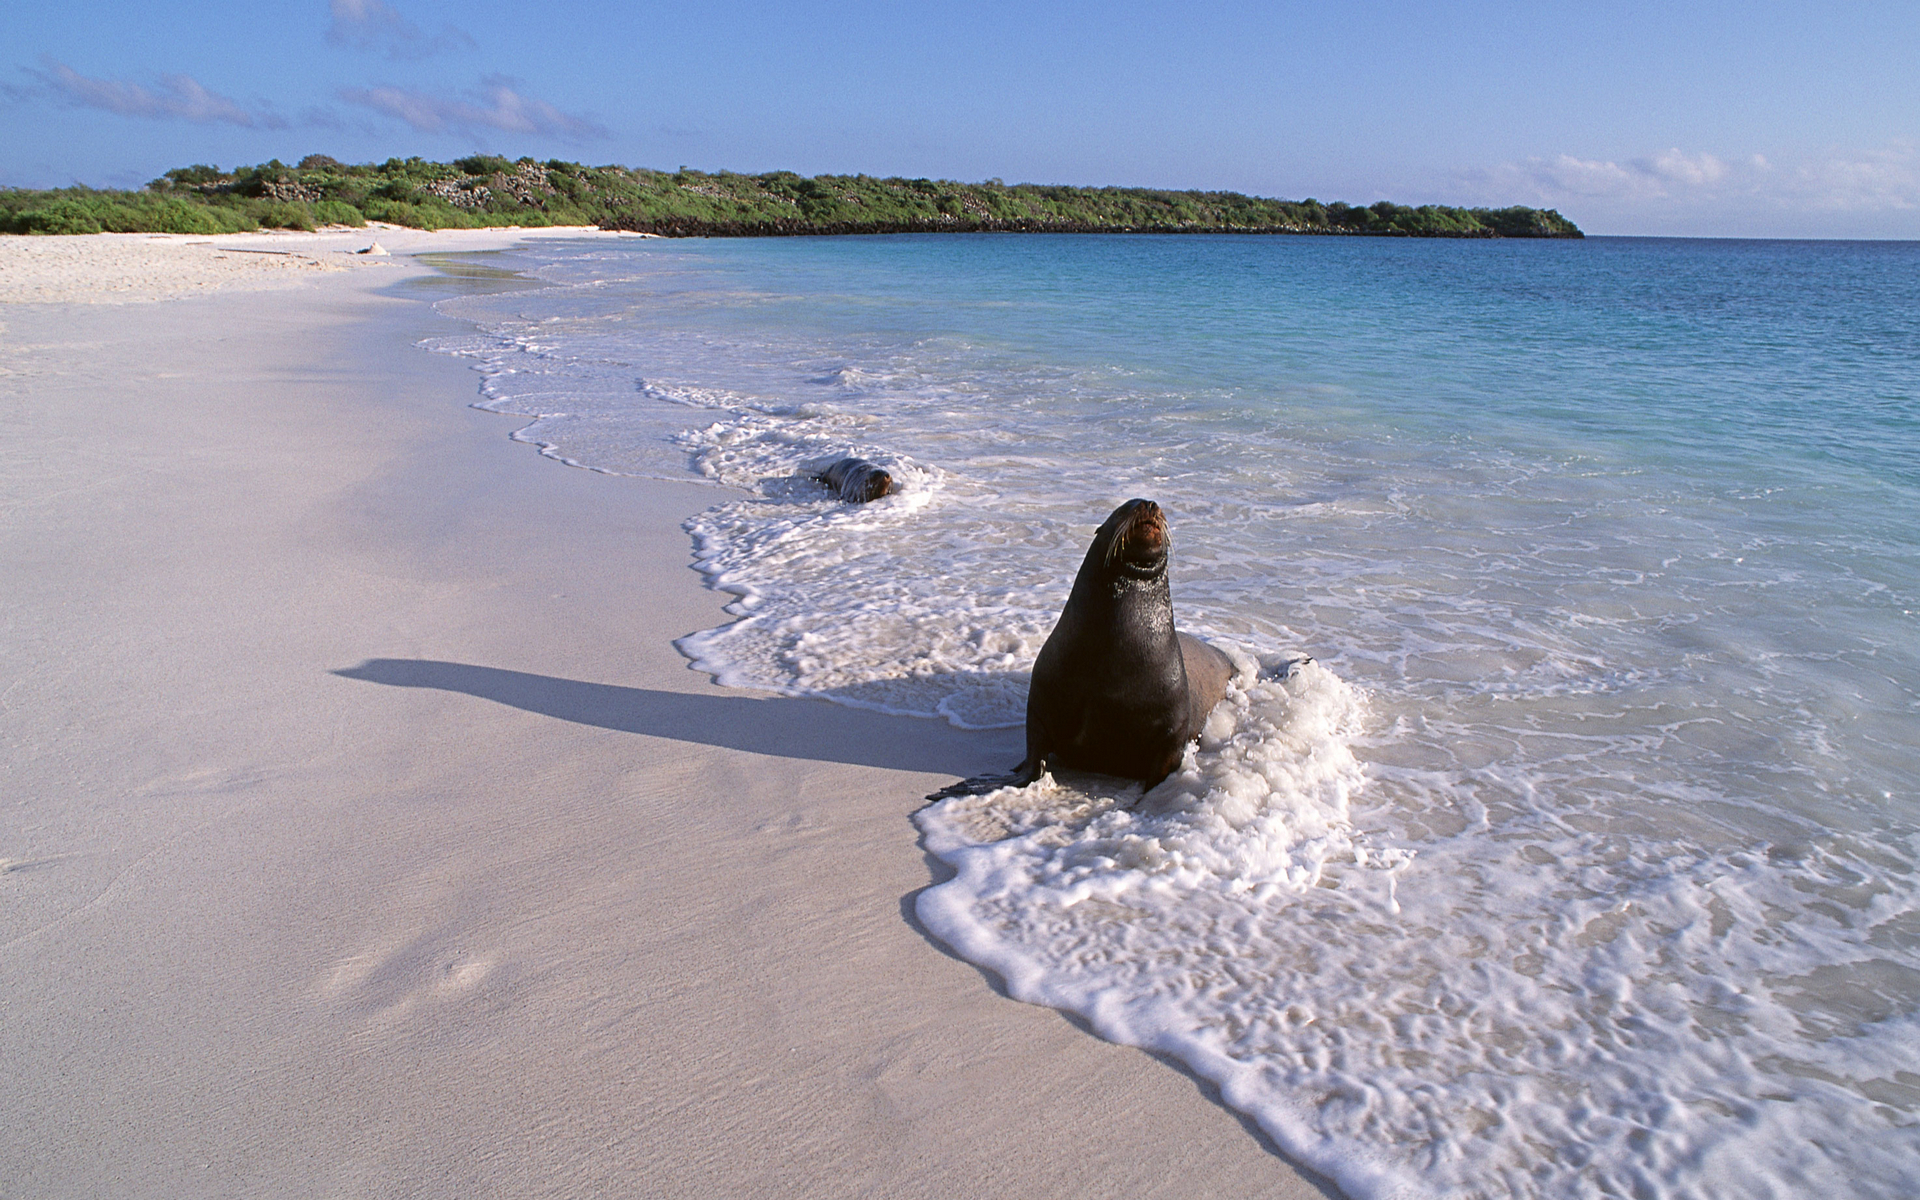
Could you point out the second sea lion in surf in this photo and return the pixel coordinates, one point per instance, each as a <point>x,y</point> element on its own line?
<point>856,480</point>
<point>1117,689</point>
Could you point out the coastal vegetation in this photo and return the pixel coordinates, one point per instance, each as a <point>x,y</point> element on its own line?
<point>485,190</point>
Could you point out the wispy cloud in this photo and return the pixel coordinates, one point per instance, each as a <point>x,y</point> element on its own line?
<point>495,105</point>
<point>377,25</point>
<point>1836,181</point>
<point>1664,175</point>
<point>1888,178</point>
<point>173,98</point>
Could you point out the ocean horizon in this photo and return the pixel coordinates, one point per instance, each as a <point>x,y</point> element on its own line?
<point>1558,837</point>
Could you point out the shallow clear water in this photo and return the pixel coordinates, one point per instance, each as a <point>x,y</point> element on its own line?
<point>1581,858</point>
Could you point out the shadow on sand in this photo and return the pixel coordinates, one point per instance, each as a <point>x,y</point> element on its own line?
<point>756,723</point>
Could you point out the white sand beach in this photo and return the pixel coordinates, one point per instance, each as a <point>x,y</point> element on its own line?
<point>363,834</point>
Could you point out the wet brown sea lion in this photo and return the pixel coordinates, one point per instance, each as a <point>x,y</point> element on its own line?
<point>856,480</point>
<point>1116,688</point>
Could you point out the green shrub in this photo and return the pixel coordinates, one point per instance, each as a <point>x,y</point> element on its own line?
<point>420,215</point>
<point>346,189</point>
<point>178,216</point>
<point>393,212</point>
<point>394,188</point>
<point>484,164</point>
<point>194,176</point>
<point>337,212</point>
<point>65,215</point>
<point>280,215</point>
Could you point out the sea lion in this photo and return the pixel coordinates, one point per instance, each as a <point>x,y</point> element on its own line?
<point>1117,689</point>
<point>856,480</point>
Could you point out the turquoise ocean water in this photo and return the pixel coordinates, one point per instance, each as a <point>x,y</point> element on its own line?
<point>1579,860</point>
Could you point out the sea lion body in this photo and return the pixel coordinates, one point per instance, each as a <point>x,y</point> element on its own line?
<point>1116,688</point>
<point>856,480</point>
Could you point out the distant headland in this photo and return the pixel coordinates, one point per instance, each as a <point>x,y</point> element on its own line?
<point>484,190</point>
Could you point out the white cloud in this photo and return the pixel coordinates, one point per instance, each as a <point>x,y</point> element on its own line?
<point>1675,168</point>
<point>500,107</point>
<point>1888,178</point>
<point>1674,185</point>
<point>176,98</point>
<point>1667,173</point>
<point>377,25</point>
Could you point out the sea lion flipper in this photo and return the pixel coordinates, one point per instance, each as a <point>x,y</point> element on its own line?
<point>1034,765</point>
<point>1029,770</point>
<point>986,781</point>
<point>1209,671</point>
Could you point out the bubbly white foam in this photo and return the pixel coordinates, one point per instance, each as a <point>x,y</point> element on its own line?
<point>1513,1008</point>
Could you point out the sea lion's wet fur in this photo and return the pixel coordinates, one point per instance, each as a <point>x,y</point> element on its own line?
<point>1116,688</point>
<point>856,480</point>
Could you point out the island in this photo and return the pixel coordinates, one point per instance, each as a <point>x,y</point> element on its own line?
<point>484,191</point>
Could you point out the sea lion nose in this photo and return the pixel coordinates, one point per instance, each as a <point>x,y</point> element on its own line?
<point>1147,529</point>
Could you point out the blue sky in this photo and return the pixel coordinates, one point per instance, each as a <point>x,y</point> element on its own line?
<point>1759,119</point>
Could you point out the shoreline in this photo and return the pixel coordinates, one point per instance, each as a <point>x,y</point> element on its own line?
<point>370,835</point>
<point>138,268</point>
<point>676,228</point>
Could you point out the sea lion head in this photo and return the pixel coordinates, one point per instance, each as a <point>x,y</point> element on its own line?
<point>876,484</point>
<point>857,480</point>
<point>1133,541</point>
